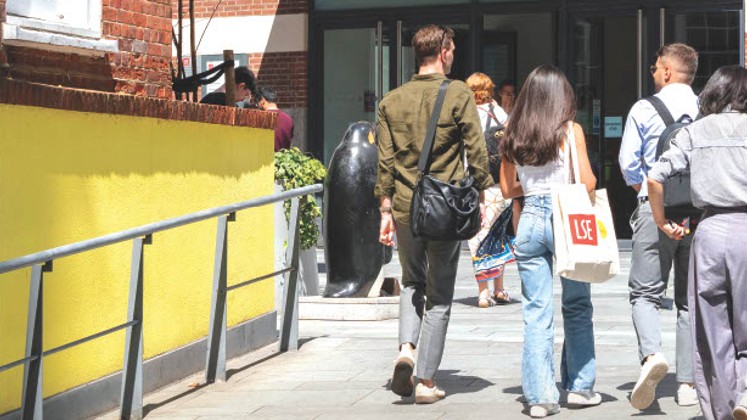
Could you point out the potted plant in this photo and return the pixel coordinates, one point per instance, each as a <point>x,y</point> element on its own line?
<point>296,169</point>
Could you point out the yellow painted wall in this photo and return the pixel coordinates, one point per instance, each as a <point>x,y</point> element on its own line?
<point>69,176</point>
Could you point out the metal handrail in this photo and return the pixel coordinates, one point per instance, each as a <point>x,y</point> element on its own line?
<point>89,244</point>
<point>132,377</point>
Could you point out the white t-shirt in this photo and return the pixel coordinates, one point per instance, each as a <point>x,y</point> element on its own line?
<point>498,112</point>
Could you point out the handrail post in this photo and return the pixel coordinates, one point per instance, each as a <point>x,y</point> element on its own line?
<point>216,344</point>
<point>132,371</point>
<point>33,395</point>
<point>289,332</point>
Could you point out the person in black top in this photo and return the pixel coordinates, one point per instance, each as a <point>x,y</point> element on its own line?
<point>246,88</point>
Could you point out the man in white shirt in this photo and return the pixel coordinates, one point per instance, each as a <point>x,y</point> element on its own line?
<point>653,252</point>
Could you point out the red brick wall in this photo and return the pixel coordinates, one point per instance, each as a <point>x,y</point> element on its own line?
<point>204,8</point>
<point>141,67</point>
<point>285,73</point>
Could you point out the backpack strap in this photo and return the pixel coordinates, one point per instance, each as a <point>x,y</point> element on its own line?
<point>490,115</point>
<point>430,133</point>
<point>659,106</point>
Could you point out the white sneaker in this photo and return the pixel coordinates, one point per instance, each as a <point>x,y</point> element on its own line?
<point>425,395</point>
<point>740,412</point>
<point>583,399</point>
<point>653,371</point>
<point>687,395</point>
<point>539,411</point>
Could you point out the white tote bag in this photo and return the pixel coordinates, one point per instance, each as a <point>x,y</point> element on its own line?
<point>585,241</point>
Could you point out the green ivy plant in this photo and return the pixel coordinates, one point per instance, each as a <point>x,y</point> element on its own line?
<point>296,169</point>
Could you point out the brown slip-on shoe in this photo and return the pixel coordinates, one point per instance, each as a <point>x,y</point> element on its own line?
<point>402,383</point>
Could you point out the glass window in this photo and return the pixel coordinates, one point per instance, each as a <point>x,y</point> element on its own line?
<point>74,17</point>
<point>367,4</point>
<point>715,35</point>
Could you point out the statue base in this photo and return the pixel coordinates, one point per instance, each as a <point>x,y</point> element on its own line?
<point>348,309</point>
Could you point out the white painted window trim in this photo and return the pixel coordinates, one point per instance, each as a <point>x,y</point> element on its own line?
<point>81,35</point>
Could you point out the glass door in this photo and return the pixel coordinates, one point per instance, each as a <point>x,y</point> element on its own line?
<point>356,76</point>
<point>462,54</point>
<point>605,71</point>
<point>515,44</point>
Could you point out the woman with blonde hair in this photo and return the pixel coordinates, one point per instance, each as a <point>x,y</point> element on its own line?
<point>491,116</point>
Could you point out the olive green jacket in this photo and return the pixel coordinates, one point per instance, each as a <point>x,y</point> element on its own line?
<point>403,120</point>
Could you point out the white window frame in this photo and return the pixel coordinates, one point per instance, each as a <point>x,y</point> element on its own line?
<point>35,28</point>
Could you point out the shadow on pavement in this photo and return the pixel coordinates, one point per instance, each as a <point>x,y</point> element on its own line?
<point>472,301</point>
<point>451,382</point>
<point>666,388</point>
<point>231,372</point>
<point>147,408</point>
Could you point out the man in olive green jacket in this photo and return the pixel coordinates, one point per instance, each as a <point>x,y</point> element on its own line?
<point>428,267</point>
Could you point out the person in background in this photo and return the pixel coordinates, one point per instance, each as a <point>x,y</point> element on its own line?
<point>246,88</point>
<point>267,100</point>
<point>507,95</point>
<point>536,148</point>
<point>429,268</point>
<point>653,252</point>
<point>491,115</point>
<point>714,149</point>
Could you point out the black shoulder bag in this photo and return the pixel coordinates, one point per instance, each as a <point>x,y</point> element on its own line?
<point>442,211</point>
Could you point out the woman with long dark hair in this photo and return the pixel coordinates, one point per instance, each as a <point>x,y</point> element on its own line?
<point>714,149</point>
<point>535,150</point>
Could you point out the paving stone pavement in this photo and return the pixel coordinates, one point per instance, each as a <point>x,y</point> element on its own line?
<point>342,368</point>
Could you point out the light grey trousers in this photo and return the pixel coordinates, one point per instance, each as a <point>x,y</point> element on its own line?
<point>718,302</point>
<point>428,276</point>
<point>652,259</point>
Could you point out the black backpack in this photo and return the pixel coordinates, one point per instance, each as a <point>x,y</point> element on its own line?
<point>678,203</point>
<point>493,136</point>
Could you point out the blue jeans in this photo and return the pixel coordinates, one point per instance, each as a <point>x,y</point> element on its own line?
<point>534,253</point>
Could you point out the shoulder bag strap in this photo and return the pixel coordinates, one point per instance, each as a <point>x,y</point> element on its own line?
<point>430,133</point>
<point>659,106</point>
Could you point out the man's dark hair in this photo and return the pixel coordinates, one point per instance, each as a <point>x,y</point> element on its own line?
<point>244,75</point>
<point>267,94</point>
<point>540,118</point>
<point>682,57</point>
<point>428,42</point>
<point>727,88</point>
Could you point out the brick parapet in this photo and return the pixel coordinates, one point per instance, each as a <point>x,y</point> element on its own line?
<point>33,94</point>
<point>229,8</point>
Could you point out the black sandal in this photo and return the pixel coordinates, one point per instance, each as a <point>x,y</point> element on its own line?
<point>502,300</point>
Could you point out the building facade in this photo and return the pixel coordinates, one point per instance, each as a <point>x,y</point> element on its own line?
<point>332,60</point>
<point>605,47</point>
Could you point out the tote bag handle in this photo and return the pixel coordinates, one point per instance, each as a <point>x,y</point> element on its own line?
<point>573,174</point>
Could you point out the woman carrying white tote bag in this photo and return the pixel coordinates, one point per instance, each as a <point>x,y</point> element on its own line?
<point>536,152</point>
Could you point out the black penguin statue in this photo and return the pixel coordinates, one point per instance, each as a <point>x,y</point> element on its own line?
<point>352,251</point>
